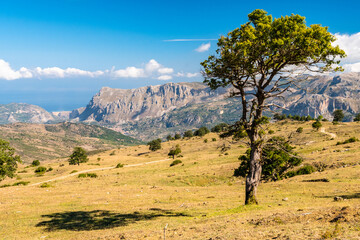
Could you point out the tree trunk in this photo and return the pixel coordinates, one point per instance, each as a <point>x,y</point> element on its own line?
<point>253,178</point>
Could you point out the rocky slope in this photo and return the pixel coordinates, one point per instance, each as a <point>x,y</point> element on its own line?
<point>22,112</point>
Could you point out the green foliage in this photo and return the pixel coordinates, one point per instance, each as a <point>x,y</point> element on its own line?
<point>213,139</point>
<point>357,118</point>
<point>188,134</point>
<point>45,185</point>
<point>201,131</point>
<point>174,151</point>
<point>169,137</point>
<point>299,129</point>
<point>338,115</point>
<point>175,162</point>
<point>8,160</point>
<point>177,136</point>
<point>40,170</point>
<point>78,156</point>
<point>271,131</point>
<point>35,163</point>
<point>307,169</point>
<point>73,171</point>
<point>278,116</point>
<point>119,165</point>
<point>319,118</point>
<point>350,140</point>
<point>277,157</point>
<point>87,175</point>
<point>205,140</point>
<point>154,144</point>
<point>23,183</point>
<point>316,125</point>
<point>49,169</point>
<point>220,128</point>
<point>112,153</point>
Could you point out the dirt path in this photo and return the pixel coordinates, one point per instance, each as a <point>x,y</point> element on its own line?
<point>97,169</point>
<point>333,135</point>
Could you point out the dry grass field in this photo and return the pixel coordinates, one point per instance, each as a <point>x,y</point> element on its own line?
<point>197,199</point>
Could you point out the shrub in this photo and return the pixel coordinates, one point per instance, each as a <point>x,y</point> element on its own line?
<point>338,115</point>
<point>177,136</point>
<point>73,171</point>
<point>89,175</point>
<point>271,131</point>
<point>175,162</point>
<point>112,153</point>
<point>316,125</point>
<point>23,183</point>
<point>220,128</point>
<point>277,157</point>
<point>40,170</point>
<point>45,185</point>
<point>350,140</point>
<point>5,185</point>
<point>300,130</point>
<point>169,137</point>
<point>205,140</point>
<point>174,151</point>
<point>154,144</point>
<point>188,134</point>
<point>35,163</point>
<point>23,171</point>
<point>78,156</point>
<point>307,169</point>
<point>201,131</point>
<point>357,118</point>
<point>213,139</point>
<point>49,169</point>
<point>119,165</point>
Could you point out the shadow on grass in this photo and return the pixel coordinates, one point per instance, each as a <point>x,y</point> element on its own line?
<point>98,219</point>
<point>347,196</point>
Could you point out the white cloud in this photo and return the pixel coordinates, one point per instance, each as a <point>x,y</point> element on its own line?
<point>152,66</point>
<point>354,67</point>
<point>7,73</point>
<point>164,77</point>
<point>129,72</point>
<point>166,70</point>
<point>188,75</point>
<point>203,47</point>
<point>351,45</point>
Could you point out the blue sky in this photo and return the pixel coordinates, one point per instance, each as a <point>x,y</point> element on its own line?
<point>57,54</point>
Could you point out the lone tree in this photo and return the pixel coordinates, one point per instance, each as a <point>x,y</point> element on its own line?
<point>338,115</point>
<point>78,156</point>
<point>261,60</point>
<point>154,144</point>
<point>8,160</point>
<point>174,151</point>
<point>357,118</point>
<point>317,125</point>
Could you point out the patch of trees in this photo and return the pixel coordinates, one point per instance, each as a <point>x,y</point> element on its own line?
<point>78,156</point>
<point>154,145</point>
<point>278,116</point>
<point>350,140</point>
<point>8,160</point>
<point>222,127</point>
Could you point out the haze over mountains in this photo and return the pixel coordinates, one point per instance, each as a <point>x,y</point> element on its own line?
<point>155,111</point>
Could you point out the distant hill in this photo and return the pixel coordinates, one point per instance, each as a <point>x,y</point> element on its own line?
<point>22,112</point>
<point>50,141</point>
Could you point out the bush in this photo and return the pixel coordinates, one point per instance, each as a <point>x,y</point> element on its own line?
<point>205,140</point>
<point>119,165</point>
<point>220,128</point>
<point>49,169</point>
<point>271,131</point>
<point>23,183</point>
<point>277,157</point>
<point>40,170</point>
<point>35,163</point>
<point>45,185</point>
<point>308,169</point>
<point>300,130</point>
<point>73,171</point>
<point>78,156</point>
<point>316,125</point>
<point>201,131</point>
<point>85,175</point>
<point>175,162</point>
<point>154,144</point>
<point>174,151</point>
<point>350,140</point>
<point>213,139</point>
<point>5,185</point>
<point>112,153</point>
<point>188,134</point>
<point>357,118</point>
<point>338,115</point>
<point>177,136</point>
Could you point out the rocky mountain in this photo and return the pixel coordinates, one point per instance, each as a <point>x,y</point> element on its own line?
<point>22,112</point>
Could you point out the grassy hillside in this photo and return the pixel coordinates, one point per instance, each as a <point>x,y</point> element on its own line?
<point>50,141</point>
<point>197,199</point>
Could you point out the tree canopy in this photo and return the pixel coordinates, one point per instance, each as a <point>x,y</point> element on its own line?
<point>261,60</point>
<point>78,156</point>
<point>8,160</point>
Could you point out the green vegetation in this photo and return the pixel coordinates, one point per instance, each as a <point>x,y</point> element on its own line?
<point>78,156</point>
<point>87,175</point>
<point>338,115</point>
<point>119,165</point>
<point>40,170</point>
<point>278,116</point>
<point>23,183</point>
<point>154,144</point>
<point>45,185</point>
<point>188,134</point>
<point>220,127</point>
<point>357,118</point>
<point>299,129</point>
<point>317,125</point>
<point>350,140</point>
<point>307,169</point>
<point>276,159</point>
<point>8,160</point>
<point>35,163</point>
<point>201,131</point>
<point>175,162</point>
<point>174,151</point>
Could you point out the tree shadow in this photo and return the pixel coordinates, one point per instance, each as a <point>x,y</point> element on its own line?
<point>98,219</point>
<point>347,196</point>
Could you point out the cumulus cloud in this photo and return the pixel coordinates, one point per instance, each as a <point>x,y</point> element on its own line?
<point>188,75</point>
<point>151,69</point>
<point>351,45</point>
<point>203,47</point>
<point>354,67</point>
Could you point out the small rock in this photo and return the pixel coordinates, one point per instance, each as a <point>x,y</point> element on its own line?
<point>338,199</point>
<point>285,199</point>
